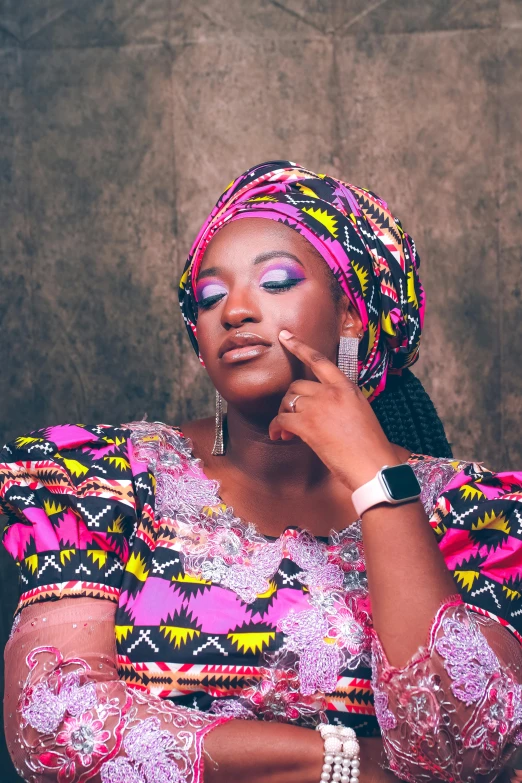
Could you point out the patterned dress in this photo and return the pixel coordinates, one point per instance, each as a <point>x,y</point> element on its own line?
<point>211,614</point>
<point>208,608</point>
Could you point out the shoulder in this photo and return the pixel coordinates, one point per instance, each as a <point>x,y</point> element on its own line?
<point>41,443</point>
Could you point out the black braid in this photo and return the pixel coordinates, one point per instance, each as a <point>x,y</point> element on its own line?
<point>408,416</point>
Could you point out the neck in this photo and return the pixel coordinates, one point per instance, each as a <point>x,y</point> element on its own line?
<point>279,463</point>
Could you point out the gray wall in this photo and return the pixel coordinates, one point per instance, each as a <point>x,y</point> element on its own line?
<point>120,123</point>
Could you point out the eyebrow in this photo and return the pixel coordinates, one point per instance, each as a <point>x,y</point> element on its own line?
<point>259,259</point>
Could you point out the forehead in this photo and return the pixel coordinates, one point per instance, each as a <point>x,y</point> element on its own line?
<point>243,239</point>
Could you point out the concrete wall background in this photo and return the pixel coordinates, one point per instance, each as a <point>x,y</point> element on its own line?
<point>122,120</point>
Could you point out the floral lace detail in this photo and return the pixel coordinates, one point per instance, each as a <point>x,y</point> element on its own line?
<point>77,728</point>
<point>334,633</point>
<point>153,756</point>
<point>468,659</point>
<point>231,708</point>
<point>426,733</point>
<point>434,475</point>
<point>278,696</point>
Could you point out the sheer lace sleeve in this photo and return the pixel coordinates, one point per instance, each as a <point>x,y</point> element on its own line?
<point>454,712</point>
<point>67,716</point>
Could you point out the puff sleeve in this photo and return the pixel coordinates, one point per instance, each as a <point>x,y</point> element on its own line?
<point>73,496</point>
<point>454,712</point>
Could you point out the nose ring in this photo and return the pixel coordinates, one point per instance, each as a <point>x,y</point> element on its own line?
<point>293,402</point>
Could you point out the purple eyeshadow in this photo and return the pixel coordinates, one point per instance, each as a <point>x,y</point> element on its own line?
<point>207,288</point>
<point>281,271</point>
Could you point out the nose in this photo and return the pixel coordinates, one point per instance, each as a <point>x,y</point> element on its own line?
<point>241,306</point>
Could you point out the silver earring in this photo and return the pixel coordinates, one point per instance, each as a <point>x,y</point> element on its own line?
<point>219,443</point>
<point>348,357</point>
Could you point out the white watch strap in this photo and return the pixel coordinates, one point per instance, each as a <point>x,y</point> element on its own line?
<point>370,494</point>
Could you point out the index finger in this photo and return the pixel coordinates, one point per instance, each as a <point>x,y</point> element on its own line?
<point>323,369</point>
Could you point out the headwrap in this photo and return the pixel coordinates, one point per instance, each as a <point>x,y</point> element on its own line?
<point>366,248</point>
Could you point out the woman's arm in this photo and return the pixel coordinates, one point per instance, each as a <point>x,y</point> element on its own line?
<point>69,718</point>
<point>447,687</point>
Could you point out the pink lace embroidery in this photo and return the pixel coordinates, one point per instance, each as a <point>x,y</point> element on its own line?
<point>278,696</point>
<point>426,733</point>
<point>331,636</point>
<point>77,728</point>
<point>468,659</point>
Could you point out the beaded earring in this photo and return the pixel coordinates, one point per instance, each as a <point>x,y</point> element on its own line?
<point>219,443</point>
<point>347,359</point>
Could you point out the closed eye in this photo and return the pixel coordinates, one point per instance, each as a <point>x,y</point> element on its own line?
<point>281,278</point>
<point>209,293</point>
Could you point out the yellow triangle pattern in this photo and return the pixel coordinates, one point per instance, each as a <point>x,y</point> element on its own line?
<point>65,555</point>
<point>97,556</point>
<point>195,580</point>
<point>511,594</point>
<point>74,467</point>
<point>363,276</point>
<point>466,578</point>
<point>492,522</point>
<point>387,324</point>
<point>122,631</point>
<point>322,216</point>
<point>52,507</point>
<point>119,462</point>
<point>306,190</point>
<point>116,526</point>
<point>178,636</point>
<point>410,290</point>
<point>470,492</point>
<point>32,562</point>
<point>21,442</point>
<point>136,565</point>
<point>252,642</point>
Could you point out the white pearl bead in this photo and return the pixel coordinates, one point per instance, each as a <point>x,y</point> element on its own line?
<point>325,776</point>
<point>333,744</point>
<point>355,772</point>
<point>356,763</point>
<point>347,732</point>
<point>336,777</point>
<point>327,767</point>
<point>337,767</point>
<point>338,759</point>
<point>327,729</point>
<point>354,780</point>
<point>345,779</point>
<point>328,759</point>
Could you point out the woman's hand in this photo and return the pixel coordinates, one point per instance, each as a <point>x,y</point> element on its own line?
<point>333,417</point>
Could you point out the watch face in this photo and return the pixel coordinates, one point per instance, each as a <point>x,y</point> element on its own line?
<point>401,482</point>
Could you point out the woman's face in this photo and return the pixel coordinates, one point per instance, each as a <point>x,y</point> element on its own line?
<point>256,278</point>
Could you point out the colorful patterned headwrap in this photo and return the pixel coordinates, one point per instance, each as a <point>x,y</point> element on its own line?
<point>373,259</point>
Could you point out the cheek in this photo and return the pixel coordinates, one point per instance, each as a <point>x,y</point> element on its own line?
<point>313,319</point>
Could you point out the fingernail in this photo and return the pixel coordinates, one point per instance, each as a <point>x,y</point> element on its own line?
<point>285,334</point>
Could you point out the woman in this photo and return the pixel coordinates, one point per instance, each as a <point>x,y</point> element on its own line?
<point>237,631</point>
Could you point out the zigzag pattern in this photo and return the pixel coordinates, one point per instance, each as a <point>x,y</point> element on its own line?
<point>202,641</point>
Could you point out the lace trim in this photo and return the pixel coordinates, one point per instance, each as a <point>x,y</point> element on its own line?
<point>334,634</point>
<point>77,728</point>
<point>423,733</point>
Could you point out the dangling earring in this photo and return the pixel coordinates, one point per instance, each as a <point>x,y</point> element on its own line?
<point>219,443</point>
<point>347,359</point>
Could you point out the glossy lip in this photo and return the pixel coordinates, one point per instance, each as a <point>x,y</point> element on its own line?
<point>242,345</point>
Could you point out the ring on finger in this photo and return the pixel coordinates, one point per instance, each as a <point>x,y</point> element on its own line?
<point>293,402</point>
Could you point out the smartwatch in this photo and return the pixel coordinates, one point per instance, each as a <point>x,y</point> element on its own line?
<point>394,485</point>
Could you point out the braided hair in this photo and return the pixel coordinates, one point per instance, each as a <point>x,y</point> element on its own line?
<point>404,409</point>
<point>408,416</point>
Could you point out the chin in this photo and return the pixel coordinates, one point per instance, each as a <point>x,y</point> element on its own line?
<point>255,392</point>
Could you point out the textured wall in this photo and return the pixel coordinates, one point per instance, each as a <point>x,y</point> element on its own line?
<point>121,121</point>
